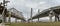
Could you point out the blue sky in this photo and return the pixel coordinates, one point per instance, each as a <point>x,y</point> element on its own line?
<point>25,5</point>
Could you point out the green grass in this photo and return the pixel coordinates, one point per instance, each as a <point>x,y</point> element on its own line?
<point>36,24</point>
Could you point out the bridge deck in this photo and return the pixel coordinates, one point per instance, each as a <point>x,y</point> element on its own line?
<point>45,12</point>
<point>6,13</point>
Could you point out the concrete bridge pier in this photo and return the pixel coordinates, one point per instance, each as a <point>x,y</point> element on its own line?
<point>38,13</point>
<point>50,19</point>
<point>56,17</point>
<point>4,19</point>
<point>27,20</point>
<point>9,17</point>
<point>51,15</point>
<point>38,19</point>
<point>16,20</point>
<point>22,21</point>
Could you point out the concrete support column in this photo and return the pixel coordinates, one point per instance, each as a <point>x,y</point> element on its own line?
<point>16,20</point>
<point>38,19</point>
<point>50,18</point>
<point>21,20</point>
<point>4,19</point>
<point>56,17</point>
<point>28,21</point>
<point>9,17</point>
<point>51,14</point>
<point>38,13</point>
<point>9,20</point>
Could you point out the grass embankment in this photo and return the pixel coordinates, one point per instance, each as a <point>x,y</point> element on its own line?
<point>36,24</point>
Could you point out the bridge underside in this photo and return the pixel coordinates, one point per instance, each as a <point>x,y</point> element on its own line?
<point>46,13</point>
<point>6,14</point>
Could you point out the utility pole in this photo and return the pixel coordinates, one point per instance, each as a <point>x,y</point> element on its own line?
<point>31,14</point>
<point>38,13</point>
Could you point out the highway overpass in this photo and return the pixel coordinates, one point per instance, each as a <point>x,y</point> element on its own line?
<point>15,13</point>
<point>11,13</point>
<point>46,12</point>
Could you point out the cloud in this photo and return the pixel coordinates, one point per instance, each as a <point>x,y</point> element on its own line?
<point>1,0</point>
<point>42,2</point>
<point>30,5</point>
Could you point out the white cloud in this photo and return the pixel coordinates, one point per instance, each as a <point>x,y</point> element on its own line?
<point>1,0</point>
<point>30,5</point>
<point>42,2</point>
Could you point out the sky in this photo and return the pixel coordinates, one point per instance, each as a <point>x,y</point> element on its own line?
<point>26,5</point>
